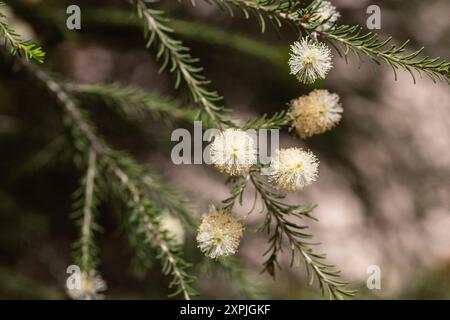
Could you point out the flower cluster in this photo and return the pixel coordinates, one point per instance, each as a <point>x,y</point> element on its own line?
<point>293,169</point>
<point>310,60</point>
<point>219,234</point>
<point>325,14</point>
<point>315,113</point>
<point>90,287</point>
<point>234,153</point>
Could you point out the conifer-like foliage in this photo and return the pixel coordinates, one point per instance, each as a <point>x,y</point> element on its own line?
<point>142,194</point>
<point>16,43</point>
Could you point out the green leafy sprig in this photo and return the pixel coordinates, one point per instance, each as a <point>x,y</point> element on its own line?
<point>16,43</point>
<point>344,38</point>
<point>123,175</point>
<point>280,225</point>
<point>87,198</point>
<point>174,56</point>
<point>133,102</point>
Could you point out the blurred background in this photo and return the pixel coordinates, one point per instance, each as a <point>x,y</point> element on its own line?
<point>384,186</point>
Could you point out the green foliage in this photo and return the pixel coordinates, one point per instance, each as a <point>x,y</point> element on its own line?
<point>143,217</point>
<point>345,39</point>
<point>87,198</point>
<point>239,184</point>
<point>143,195</point>
<point>352,39</point>
<point>276,121</point>
<point>134,102</point>
<point>17,44</point>
<point>189,29</point>
<point>216,36</point>
<point>280,225</point>
<point>124,176</point>
<point>265,11</point>
<point>176,57</point>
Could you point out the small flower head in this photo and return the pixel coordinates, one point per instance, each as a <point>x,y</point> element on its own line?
<point>326,14</point>
<point>233,152</point>
<point>219,234</point>
<point>293,169</point>
<point>310,60</point>
<point>174,227</point>
<point>315,113</point>
<point>90,287</point>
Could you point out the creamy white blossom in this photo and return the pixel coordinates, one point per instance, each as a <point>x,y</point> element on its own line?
<point>326,14</point>
<point>233,152</point>
<point>315,113</point>
<point>293,169</point>
<point>91,286</point>
<point>310,60</point>
<point>174,227</point>
<point>219,234</point>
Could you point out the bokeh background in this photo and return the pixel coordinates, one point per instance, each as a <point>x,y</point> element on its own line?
<point>383,192</point>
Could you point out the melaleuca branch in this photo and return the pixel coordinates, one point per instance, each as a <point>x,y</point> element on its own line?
<point>279,225</point>
<point>239,184</point>
<point>352,39</point>
<point>145,196</point>
<point>144,216</point>
<point>260,9</point>
<point>134,102</point>
<point>118,19</point>
<point>345,39</point>
<point>86,204</point>
<point>276,121</point>
<point>176,57</point>
<point>120,172</point>
<point>17,44</point>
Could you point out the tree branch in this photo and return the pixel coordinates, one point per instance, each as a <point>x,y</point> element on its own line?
<point>120,166</point>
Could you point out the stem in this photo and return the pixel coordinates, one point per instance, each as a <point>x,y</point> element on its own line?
<point>86,230</point>
<point>101,149</point>
<point>178,62</point>
<point>282,229</point>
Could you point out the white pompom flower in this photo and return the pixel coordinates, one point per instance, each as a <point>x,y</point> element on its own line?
<point>326,14</point>
<point>293,169</point>
<point>91,286</point>
<point>315,113</point>
<point>219,234</point>
<point>310,60</point>
<point>233,152</point>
